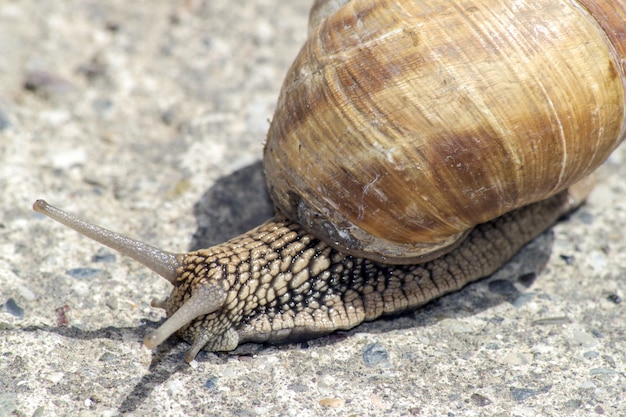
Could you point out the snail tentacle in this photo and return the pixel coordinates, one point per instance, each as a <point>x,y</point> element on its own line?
<point>205,299</point>
<point>162,262</point>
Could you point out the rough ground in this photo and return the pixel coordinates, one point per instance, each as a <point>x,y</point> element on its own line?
<point>145,115</point>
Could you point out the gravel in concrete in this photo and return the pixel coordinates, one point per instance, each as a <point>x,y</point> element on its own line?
<point>148,117</point>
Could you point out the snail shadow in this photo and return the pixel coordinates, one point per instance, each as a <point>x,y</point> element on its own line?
<point>233,205</point>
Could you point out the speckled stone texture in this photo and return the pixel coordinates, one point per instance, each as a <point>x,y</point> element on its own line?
<point>149,117</point>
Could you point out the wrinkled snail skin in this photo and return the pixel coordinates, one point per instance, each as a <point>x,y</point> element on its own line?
<point>416,146</point>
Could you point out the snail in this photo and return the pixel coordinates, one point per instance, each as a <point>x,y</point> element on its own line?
<point>416,146</point>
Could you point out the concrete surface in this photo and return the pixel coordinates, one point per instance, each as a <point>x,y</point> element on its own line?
<point>148,117</point>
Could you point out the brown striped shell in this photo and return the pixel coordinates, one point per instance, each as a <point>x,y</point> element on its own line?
<point>403,124</point>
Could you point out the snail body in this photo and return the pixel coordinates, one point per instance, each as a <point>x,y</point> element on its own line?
<point>416,146</point>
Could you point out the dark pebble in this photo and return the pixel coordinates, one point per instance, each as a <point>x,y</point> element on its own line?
<point>13,309</point>
<point>298,388</point>
<point>609,361</point>
<point>83,273</point>
<point>614,298</point>
<point>211,383</point>
<point>521,394</point>
<point>480,400</point>
<point>527,280</point>
<point>573,404</point>
<point>374,354</point>
<point>569,259</point>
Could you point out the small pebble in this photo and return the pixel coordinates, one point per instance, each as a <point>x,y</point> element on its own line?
<point>13,309</point>
<point>521,394</point>
<point>83,273</point>
<point>211,383</point>
<point>573,404</point>
<point>527,280</point>
<point>592,354</point>
<point>596,333</point>
<point>602,371</point>
<point>569,259</point>
<point>298,388</point>
<point>609,360</point>
<point>614,298</point>
<point>332,402</point>
<point>107,357</point>
<point>480,400</point>
<point>374,354</point>
<point>551,321</point>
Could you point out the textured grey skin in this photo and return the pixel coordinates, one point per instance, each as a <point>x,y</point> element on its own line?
<point>282,283</point>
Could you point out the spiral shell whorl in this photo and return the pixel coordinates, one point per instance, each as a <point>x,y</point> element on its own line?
<point>401,125</point>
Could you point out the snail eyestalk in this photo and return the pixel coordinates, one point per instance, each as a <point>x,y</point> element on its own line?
<point>205,299</point>
<point>162,262</point>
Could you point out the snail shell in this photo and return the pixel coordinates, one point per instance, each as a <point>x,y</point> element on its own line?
<point>401,124</point>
